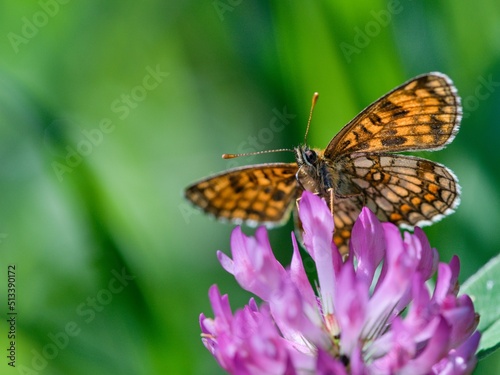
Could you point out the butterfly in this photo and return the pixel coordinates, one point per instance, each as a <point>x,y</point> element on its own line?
<point>357,168</point>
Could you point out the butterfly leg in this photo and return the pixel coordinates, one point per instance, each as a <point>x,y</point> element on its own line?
<point>297,200</point>
<point>297,203</point>
<point>332,194</point>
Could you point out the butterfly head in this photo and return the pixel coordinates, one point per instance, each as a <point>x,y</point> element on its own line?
<point>312,168</point>
<point>307,157</point>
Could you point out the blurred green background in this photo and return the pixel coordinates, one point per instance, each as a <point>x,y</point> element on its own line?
<point>109,109</point>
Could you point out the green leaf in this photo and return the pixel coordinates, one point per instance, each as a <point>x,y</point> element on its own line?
<point>484,289</point>
<point>489,340</point>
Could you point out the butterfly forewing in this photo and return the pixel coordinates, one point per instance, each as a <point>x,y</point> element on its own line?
<point>422,114</point>
<point>258,194</point>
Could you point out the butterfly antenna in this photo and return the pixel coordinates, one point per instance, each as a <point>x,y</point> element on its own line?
<point>232,156</point>
<point>313,104</point>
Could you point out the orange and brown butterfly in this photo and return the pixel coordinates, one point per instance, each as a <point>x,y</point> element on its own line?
<point>357,168</point>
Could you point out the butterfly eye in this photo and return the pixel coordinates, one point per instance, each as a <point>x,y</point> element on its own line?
<point>310,156</point>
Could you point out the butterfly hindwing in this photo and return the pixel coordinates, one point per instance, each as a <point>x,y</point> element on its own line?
<point>405,190</point>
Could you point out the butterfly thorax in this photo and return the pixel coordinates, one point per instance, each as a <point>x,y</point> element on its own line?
<point>321,175</point>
